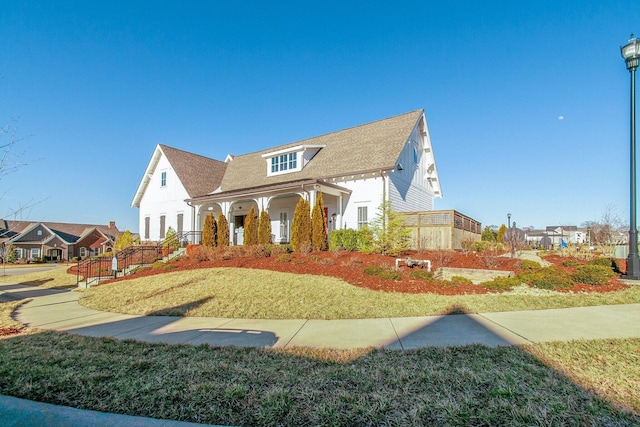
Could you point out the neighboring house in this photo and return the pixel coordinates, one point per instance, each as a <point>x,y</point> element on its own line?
<point>556,236</point>
<point>56,241</point>
<point>355,169</point>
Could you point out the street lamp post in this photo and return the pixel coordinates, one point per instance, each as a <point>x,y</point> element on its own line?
<point>631,54</point>
<point>509,220</point>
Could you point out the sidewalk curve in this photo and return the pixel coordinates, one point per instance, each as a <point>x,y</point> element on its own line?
<point>60,311</point>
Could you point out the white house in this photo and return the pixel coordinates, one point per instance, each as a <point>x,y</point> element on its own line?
<point>355,169</point>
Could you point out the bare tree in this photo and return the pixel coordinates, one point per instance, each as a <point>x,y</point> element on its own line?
<point>605,233</point>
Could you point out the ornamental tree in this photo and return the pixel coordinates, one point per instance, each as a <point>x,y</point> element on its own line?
<point>251,228</point>
<point>318,229</point>
<point>223,230</point>
<point>301,226</point>
<point>264,228</point>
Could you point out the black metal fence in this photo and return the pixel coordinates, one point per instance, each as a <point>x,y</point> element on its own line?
<point>121,263</point>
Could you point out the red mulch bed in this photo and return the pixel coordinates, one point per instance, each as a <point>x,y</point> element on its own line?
<point>5,332</point>
<point>349,267</point>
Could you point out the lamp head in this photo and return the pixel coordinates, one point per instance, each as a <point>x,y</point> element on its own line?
<point>631,53</point>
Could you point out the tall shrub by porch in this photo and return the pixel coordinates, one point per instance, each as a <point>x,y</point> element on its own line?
<point>301,227</point>
<point>223,230</point>
<point>251,228</point>
<point>318,229</point>
<point>209,231</point>
<point>264,228</point>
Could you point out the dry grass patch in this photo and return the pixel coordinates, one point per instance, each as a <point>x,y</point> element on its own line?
<point>471,385</point>
<point>264,294</point>
<point>57,278</point>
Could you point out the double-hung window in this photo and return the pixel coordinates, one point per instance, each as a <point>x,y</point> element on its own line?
<point>363,219</point>
<point>163,179</point>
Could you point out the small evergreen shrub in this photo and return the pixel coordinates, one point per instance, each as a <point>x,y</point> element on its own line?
<point>480,246</point>
<point>421,274</point>
<point>157,265</point>
<point>285,257</point>
<point>372,270</point>
<point>527,264</point>
<point>501,283</point>
<point>570,263</point>
<point>200,253</point>
<point>390,275</point>
<point>277,250</point>
<point>257,251</point>
<point>548,278</point>
<point>592,274</point>
<point>346,239</point>
<point>605,262</point>
<point>365,240</point>
<point>461,280</point>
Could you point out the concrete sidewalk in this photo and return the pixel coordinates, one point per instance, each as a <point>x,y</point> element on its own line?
<point>60,311</point>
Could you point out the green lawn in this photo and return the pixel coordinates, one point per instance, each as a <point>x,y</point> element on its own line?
<point>532,385</point>
<point>263,294</point>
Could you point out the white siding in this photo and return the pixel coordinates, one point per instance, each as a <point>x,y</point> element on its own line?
<point>165,200</point>
<point>409,190</point>
<point>365,192</point>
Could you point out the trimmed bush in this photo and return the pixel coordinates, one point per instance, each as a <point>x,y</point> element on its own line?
<point>421,274</point>
<point>346,239</point>
<point>605,262</point>
<point>251,228</point>
<point>372,270</point>
<point>501,283</point>
<point>570,263</point>
<point>592,274</point>
<point>264,228</point>
<point>390,275</point>
<point>461,280</point>
<point>223,231</point>
<point>286,257</point>
<point>548,278</point>
<point>527,264</point>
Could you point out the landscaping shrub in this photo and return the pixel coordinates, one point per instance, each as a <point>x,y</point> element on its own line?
<point>390,275</point>
<point>605,262</point>
<point>526,264</point>
<point>190,248</point>
<point>421,274</point>
<point>480,246</point>
<point>548,278</point>
<point>570,263</point>
<point>318,230</point>
<point>257,251</point>
<point>346,239</point>
<point>592,274</point>
<point>223,230</point>
<point>200,253</point>
<point>461,280</point>
<point>501,283</point>
<point>365,240</point>
<point>372,270</point>
<point>264,228</point>
<point>251,228</point>
<point>157,265</point>
<point>284,257</point>
<point>277,250</point>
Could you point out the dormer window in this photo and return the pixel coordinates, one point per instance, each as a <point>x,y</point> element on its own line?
<point>291,159</point>
<point>284,162</point>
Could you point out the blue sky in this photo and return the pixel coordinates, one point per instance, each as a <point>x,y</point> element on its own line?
<point>91,87</point>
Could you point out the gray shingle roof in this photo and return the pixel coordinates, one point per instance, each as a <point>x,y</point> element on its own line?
<point>199,175</point>
<point>67,231</point>
<point>372,146</point>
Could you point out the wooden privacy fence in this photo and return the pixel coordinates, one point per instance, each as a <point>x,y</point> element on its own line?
<point>433,230</point>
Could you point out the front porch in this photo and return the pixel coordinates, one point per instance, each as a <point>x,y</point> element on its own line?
<point>279,203</point>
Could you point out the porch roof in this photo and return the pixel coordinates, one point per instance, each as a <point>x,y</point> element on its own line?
<point>300,185</point>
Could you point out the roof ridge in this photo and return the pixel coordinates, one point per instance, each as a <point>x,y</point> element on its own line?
<point>299,141</point>
<point>163,146</point>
